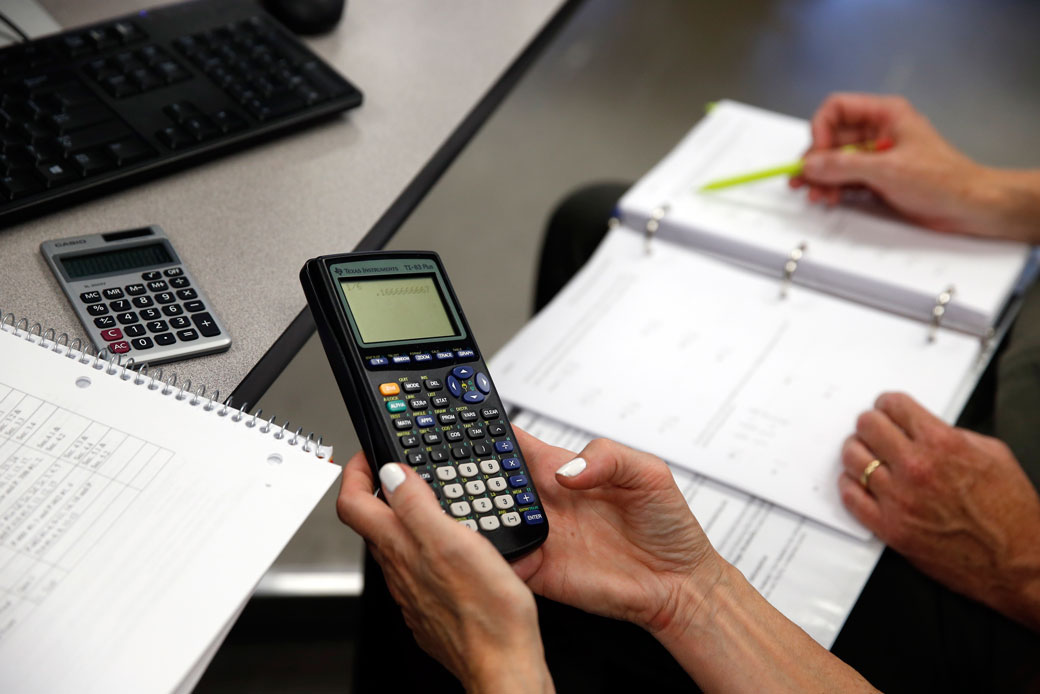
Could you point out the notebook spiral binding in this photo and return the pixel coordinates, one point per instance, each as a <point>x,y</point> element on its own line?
<point>155,379</point>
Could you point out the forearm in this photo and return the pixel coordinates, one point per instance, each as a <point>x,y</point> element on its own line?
<point>520,669</point>
<point>1012,200</point>
<point>735,641</point>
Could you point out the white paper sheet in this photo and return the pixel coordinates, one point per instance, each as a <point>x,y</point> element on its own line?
<point>811,573</point>
<point>702,363</point>
<point>133,524</point>
<point>851,252</point>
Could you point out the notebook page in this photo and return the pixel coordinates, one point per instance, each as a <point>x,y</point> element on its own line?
<point>810,572</point>
<point>701,363</point>
<point>132,525</point>
<point>864,253</point>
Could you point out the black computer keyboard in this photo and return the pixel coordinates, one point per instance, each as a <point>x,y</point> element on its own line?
<point>100,107</point>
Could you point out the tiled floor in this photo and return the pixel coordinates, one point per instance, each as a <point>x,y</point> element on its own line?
<point>622,83</point>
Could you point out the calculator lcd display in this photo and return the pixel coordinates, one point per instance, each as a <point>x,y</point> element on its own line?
<point>398,308</point>
<point>116,261</point>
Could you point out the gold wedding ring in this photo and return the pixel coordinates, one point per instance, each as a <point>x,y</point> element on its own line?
<point>864,479</point>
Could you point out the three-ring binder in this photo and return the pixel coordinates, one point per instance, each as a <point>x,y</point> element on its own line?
<point>942,300</point>
<point>791,266</point>
<point>653,224</point>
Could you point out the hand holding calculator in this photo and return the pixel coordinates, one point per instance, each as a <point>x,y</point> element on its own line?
<point>418,391</point>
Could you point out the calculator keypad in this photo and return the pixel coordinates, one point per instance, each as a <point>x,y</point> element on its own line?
<point>450,429</point>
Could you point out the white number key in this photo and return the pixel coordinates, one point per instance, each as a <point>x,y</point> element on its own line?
<point>460,508</point>
<point>504,501</point>
<point>489,522</point>
<point>445,473</point>
<point>468,469</point>
<point>482,505</point>
<point>489,467</point>
<point>497,484</point>
<point>475,487</point>
<point>453,491</point>
<point>472,524</point>
<point>510,519</point>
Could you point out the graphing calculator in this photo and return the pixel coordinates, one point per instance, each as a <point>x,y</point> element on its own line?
<point>134,295</point>
<point>418,390</point>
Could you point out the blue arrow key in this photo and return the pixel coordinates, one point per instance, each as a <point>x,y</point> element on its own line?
<point>474,396</point>
<point>462,372</point>
<point>483,382</point>
<point>454,387</point>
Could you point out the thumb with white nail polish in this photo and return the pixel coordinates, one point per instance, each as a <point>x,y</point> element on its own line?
<point>390,477</point>
<point>573,468</point>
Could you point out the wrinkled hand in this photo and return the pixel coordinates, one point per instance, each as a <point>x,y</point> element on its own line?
<point>460,598</point>
<point>921,176</point>
<point>955,503</point>
<point>622,540</point>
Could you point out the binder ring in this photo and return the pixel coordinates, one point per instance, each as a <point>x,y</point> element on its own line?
<point>99,356</point>
<point>180,393</point>
<point>791,266</point>
<point>942,300</point>
<point>128,364</point>
<point>280,434</point>
<point>224,409</point>
<point>200,392</point>
<point>653,224</point>
<point>317,451</point>
<point>18,328</point>
<point>113,362</point>
<point>39,332</point>
<point>306,449</point>
<point>170,380</point>
<point>152,375</point>
<point>4,317</point>
<point>292,441</point>
<point>252,422</point>
<point>49,331</point>
<point>267,427</point>
<point>76,345</point>
<point>59,343</point>
<point>237,417</point>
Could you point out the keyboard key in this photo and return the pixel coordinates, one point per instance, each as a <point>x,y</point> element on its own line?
<point>496,484</point>
<point>460,508</point>
<point>188,335</point>
<point>517,481</point>
<point>460,452</point>
<point>135,330</point>
<point>438,456</point>
<point>55,174</point>
<point>228,121</point>
<point>130,151</point>
<point>475,433</point>
<point>160,286</point>
<point>142,343</point>
<point>481,449</point>
<point>141,301</point>
<point>489,413</point>
<point>446,473</point>
<point>468,469</point>
<point>174,137</point>
<point>165,339</point>
<point>446,418</point>
<point>468,416</point>
<point>118,347</point>
<point>105,322</point>
<point>462,372</point>
<point>180,323</point>
<point>453,491</point>
<point>453,436</point>
<point>194,306</point>
<point>135,290</point>
<point>205,323</point>
<point>524,498</point>
<point>475,487</point>
<point>401,360</point>
<point>90,297</point>
<point>151,275</point>
<point>497,429</point>
<point>111,334</point>
<point>482,382</point>
<point>112,293</point>
<point>464,354</point>
<point>439,401</point>
<point>473,397</point>
<point>489,467</point>
<point>409,441</point>
<point>424,421</point>
<point>19,185</point>
<point>482,505</point>
<point>431,438</point>
<point>504,501</point>
<point>179,282</point>
<point>510,463</point>
<point>388,389</point>
<point>423,359</point>
<point>151,314</point>
<point>504,446</point>
<point>418,404</point>
<point>378,362</point>
<point>120,306</point>
<point>127,318</point>
<point>172,310</point>
<point>444,357</point>
<point>511,519</point>
<point>158,326</point>
<point>454,387</point>
<point>97,309</point>
<point>395,406</point>
<point>412,387</point>
<point>433,384</point>
<point>402,423</point>
<point>174,272</point>
<point>417,458</point>
<point>534,517</point>
<point>489,523</point>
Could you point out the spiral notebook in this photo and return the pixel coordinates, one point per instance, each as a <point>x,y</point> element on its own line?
<point>136,517</point>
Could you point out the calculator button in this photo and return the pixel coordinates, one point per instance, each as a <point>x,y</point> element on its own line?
<point>475,433</point>
<point>158,286</point>
<point>112,293</point>
<point>173,272</point>
<point>481,449</point>
<point>135,289</point>
<point>401,360</point>
<point>422,359</point>
<point>454,387</point>
<point>468,469</point>
<point>416,458</point>
<point>482,505</point>
<point>459,452</point>
<point>496,484</point>
<point>418,404</point>
<point>446,418</point>
<point>504,446</point>
<point>395,406</point>
<point>135,330</point>
<point>143,301</point>
<point>151,314</point>
<point>112,334</point>
<point>444,356</point>
<point>158,326</point>
<point>194,306</point>
<point>187,294</point>
<point>425,475</point>
<point>127,318</point>
<point>180,323</point>
<point>206,325</point>
<point>462,354</point>
<point>475,487</point>
<point>141,343</point>
<point>118,347</point>
<point>90,297</point>
<point>504,501</point>
<point>471,524</point>
<point>460,508</point>
<point>489,467</point>
<point>389,389</point>
<point>511,463</point>
<point>412,387</point>
<point>462,372</point>
<point>433,384</point>
<point>534,517</point>
<point>173,310</point>
<point>438,456</point>
<point>151,275</point>
<point>518,481</point>
<point>446,473</point>
<point>105,322</point>
<point>119,306</point>
<point>489,413</point>
<point>473,396</point>
<point>511,519</point>
<point>468,416</point>
<point>402,424</point>
<point>439,401</point>
<point>409,441</point>
<point>497,429</point>
<point>188,335</point>
<point>453,436</point>
<point>490,523</point>
<point>97,309</point>
<point>165,298</point>
<point>483,383</point>
<point>424,420</point>
<point>165,339</point>
<point>378,362</point>
<point>432,438</point>
<point>453,491</point>
<point>524,498</point>
<point>180,283</point>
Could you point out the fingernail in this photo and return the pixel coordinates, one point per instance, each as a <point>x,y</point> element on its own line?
<point>390,476</point>
<point>573,468</point>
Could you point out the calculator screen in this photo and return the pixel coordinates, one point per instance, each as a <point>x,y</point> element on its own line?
<point>398,308</point>
<point>117,260</point>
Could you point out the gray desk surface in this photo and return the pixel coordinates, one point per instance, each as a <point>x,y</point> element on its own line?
<point>245,223</point>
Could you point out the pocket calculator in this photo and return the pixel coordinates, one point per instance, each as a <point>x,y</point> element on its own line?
<point>418,391</point>
<point>134,296</point>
